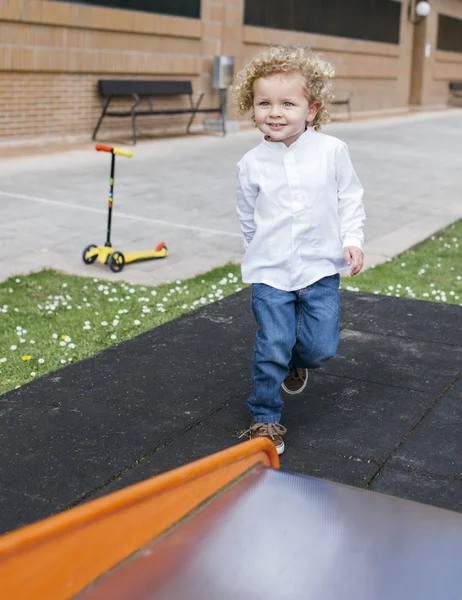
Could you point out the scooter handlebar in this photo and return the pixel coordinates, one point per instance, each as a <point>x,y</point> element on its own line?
<point>103,148</point>
<point>126,153</point>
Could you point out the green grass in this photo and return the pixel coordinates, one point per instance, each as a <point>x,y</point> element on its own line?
<point>49,319</point>
<point>430,271</point>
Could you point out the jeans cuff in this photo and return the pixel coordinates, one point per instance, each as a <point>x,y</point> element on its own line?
<point>274,419</point>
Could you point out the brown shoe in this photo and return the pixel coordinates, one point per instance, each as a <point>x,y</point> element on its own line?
<point>296,381</point>
<point>272,431</point>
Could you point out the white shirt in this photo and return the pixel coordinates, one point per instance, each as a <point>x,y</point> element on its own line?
<point>298,208</point>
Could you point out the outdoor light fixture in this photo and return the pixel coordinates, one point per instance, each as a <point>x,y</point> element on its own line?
<point>422,10</point>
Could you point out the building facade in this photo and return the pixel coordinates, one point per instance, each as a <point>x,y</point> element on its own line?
<point>52,53</point>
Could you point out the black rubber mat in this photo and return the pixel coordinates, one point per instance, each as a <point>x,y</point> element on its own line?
<point>384,414</point>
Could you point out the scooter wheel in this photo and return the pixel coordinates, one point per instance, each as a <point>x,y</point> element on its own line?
<point>88,260</point>
<point>116,261</point>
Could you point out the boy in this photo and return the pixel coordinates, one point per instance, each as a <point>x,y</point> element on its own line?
<point>299,203</point>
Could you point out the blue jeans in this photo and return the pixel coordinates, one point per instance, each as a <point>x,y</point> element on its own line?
<point>299,328</point>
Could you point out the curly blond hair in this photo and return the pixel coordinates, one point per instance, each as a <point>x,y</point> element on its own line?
<point>287,59</point>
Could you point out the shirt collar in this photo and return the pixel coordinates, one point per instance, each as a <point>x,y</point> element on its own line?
<point>280,147</point>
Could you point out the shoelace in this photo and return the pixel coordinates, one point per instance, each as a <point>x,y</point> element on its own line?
<point>271,430</point>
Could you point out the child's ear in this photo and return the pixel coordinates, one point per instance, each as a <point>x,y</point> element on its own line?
<point>313,111</point>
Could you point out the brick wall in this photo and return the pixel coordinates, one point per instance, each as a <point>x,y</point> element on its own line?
<point>53,53</point>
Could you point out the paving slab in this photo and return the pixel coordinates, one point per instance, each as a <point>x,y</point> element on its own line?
<point>326,465</point>
<point>19,509</point>
<point>417,320</point>
<point>436,445</point>
<point>389,404</point>
<point>456,389</point>
<point>194,444</point>
<point>348,415</point>
<point>420,487</point>
<point>396,361</point>
<point>60,453</point>
<point>207,439</point>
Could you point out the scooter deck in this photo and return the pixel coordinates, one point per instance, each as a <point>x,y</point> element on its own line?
<point>102,253</point>
<point>137,255</point>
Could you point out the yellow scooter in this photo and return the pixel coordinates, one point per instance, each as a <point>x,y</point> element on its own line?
<point>107,254</point>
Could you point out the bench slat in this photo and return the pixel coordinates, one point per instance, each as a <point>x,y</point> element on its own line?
<point>167,111</point>
<point>143,87</point>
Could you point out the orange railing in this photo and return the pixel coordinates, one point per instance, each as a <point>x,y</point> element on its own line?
<point>56,558</point>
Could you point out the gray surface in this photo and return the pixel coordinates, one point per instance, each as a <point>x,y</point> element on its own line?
<point>181,191</point>
<point>436,447</point>
<point>329,541</point>
<point>457,389</point>
<point>22,508</point>
<point>404,363</point>
<point>52,452</point>
<point>420,321</point>
<point>204,440</point>
<point>343,415</point>
<point>384,414</point>
<point>421,487</point>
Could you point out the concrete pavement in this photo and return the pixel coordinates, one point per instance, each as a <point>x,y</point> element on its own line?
<point>181,191</point>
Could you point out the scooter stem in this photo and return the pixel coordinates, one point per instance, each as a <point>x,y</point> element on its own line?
<point>110,200</point>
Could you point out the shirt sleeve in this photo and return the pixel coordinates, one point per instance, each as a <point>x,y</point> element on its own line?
<point>246,194</point>
<point>350,200</point>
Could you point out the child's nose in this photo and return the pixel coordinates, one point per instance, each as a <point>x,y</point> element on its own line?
<point>276,110</point>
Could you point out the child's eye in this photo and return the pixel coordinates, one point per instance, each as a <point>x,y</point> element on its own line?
<point>264,103</point>
<point>288,104</point>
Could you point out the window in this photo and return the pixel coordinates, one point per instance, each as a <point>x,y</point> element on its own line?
<point>373,20</point>
<point>179,8</point>
<point>449,34</point>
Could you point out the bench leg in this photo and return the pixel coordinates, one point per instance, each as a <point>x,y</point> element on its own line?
<point>134,127</point>
<point>194,111</point>
<point>223,106</point>
<point>105,107</point>
<point>190,122</point>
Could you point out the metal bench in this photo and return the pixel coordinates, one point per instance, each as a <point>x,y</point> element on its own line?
<point>110,89</point>
<point>455,87</point>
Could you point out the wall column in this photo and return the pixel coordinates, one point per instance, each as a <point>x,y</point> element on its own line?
<point>222,32</point>
<point>423,52</point>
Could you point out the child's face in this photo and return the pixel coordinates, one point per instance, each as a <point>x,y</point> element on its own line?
<point>281,107</point>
